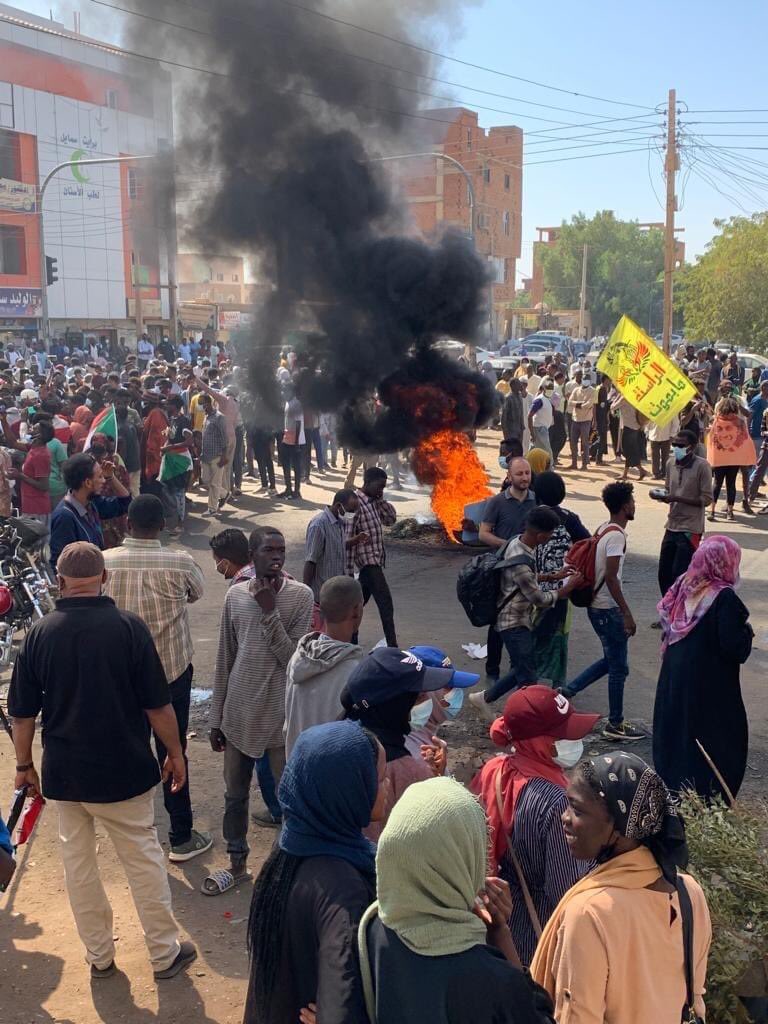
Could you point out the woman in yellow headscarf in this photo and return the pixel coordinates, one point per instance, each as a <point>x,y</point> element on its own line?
<point>539,461</point>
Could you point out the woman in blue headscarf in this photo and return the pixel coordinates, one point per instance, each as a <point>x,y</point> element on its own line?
<point>317,882</point>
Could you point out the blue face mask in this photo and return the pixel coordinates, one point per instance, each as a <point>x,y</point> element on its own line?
<point>679,452</point>
<point>455,700</point>
<point>421,713</point>
<point>503,462</point>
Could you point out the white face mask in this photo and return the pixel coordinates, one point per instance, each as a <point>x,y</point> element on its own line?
<point>421,714</point>
<point>347,517</point>
<point>568,752</point>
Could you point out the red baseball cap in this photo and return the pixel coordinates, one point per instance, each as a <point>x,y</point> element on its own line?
<point>540,711</point>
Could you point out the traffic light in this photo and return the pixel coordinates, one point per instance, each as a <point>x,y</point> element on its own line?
<point>51,269</point>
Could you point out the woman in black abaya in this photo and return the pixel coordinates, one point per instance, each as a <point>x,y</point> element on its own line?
<point>706,639</point>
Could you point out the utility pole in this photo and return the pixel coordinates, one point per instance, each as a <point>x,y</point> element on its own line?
<point>671,166</point>
<point>583,302</point>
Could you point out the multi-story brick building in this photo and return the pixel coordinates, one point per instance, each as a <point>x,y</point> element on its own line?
<point>67,98</point>
<point>438,194</point>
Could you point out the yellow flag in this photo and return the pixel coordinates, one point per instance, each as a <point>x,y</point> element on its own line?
<point>647,378</point>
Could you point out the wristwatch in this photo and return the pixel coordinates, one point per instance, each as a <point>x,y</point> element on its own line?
<point>24,767</point>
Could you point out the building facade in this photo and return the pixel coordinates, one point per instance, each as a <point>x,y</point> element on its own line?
<point>67,98</point>
<point>438,195</point>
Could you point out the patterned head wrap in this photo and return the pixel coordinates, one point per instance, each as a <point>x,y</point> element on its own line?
<point>640,805</point>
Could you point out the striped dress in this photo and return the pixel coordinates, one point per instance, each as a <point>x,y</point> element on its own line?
<point>548,867</point>
<point>248,702</point>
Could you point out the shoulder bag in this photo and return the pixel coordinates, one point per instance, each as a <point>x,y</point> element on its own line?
<point>689,1015</point>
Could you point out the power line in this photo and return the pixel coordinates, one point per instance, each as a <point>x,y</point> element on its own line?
<point>456,60</point>
<point>354,56</point>
<point>402,88</point>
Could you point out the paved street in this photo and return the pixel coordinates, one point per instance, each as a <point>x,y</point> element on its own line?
<point>42,973</point>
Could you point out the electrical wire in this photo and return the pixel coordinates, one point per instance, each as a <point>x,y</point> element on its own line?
<point>456,60</point>
<point>443,99</point>
<point>345,53</point>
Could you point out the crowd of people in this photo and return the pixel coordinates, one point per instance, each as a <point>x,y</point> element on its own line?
<point>556,403</point>
<point>393,893</point>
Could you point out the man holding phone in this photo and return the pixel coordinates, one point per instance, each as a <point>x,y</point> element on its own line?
<point>261,625</point>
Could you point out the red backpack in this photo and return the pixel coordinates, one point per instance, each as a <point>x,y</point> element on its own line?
<point>581,557</point>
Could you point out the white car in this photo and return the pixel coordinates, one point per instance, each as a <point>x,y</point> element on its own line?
<point>749,360</point>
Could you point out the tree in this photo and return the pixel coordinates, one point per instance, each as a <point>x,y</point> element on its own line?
<point>623,267</point>
<point>725,294</point>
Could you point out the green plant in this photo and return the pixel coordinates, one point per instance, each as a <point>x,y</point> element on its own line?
<point>729,858</point>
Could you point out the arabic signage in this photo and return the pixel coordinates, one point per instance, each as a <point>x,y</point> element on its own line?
<point>17,195</point>
<point>643,374</point>
<point>151,309</point>
<point>195,316</point>
<point>20,302</point>
<point>232,319</point>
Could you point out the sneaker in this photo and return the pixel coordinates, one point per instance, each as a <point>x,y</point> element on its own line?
<point>267,819</point>
<point>224,500</point>
<point>102,972</point>
<point>656,625</point>
<point>187,954</point>
<point>209,512</point>
<point>197,843</point>
<point>478,701</point>
<point>624,731</point>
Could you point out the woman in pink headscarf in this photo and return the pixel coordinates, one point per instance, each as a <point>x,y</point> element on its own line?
<point>706,637</point>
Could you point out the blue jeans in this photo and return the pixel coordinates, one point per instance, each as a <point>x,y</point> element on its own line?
<point>608,623</point>
<point>519,645</point>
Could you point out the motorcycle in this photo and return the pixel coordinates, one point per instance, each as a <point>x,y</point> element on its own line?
<point>26,583</point>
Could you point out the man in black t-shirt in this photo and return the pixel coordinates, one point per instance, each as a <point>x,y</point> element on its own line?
<point>95,674</point>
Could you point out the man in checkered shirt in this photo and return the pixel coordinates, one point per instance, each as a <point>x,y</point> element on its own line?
<point>368,553</point>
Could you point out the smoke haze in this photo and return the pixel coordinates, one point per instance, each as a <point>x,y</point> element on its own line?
<point>279,145</point>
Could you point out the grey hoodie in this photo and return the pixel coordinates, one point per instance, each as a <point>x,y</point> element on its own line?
<point>315,677</point>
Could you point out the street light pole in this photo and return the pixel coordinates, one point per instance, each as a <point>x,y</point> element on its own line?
<point>45,322</point>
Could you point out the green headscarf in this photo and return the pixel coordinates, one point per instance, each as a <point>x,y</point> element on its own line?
<point>431,863</point>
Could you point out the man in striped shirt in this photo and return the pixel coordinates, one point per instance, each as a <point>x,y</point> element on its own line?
<point>261,626</point>
<point>369,555</point>
<point>157,584</point>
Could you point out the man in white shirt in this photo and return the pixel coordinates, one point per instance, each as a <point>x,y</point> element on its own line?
<point>540,418</point>
<point>661,440</point>
<point>581,406</point>
<point>609,613</point>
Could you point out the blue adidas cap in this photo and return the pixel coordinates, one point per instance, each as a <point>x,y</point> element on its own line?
<point>436,658</point>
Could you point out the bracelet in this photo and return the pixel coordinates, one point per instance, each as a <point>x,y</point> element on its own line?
<point>24,767</point>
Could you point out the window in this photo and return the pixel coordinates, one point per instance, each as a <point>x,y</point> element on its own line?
<point>219,277</point>
<point>235,278</point>
<point>469,138</point>
<point>111,99</point>
<point>133,189</point>
<point>10,156</point>
<point>487,175</point>
<point>506,182</point>
<point>483,221</point>
<point>505,220</point>
<point>13,250</point>
<point>6,105</point>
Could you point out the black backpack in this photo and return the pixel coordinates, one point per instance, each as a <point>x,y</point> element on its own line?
<point>477,587</point>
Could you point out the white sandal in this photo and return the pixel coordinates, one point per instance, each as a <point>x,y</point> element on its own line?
<point>218,882</point>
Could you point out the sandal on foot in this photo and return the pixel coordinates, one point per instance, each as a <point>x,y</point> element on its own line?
<point>219,882</point>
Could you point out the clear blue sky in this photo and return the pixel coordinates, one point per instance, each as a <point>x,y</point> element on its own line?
<point>712,53</point>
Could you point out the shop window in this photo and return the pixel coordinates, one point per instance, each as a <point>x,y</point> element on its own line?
<point>13,251</point>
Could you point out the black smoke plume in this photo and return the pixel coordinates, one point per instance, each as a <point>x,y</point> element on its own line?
<point>284,138</point>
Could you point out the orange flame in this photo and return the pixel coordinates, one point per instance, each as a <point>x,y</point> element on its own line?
<point>447,461</point>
